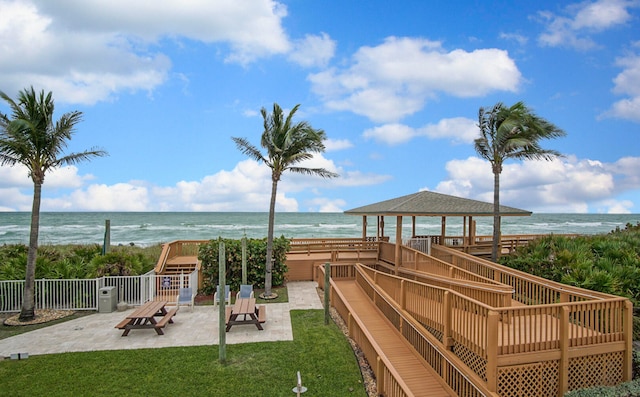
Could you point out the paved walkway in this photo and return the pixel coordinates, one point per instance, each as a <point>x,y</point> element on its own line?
<point>200,327</point>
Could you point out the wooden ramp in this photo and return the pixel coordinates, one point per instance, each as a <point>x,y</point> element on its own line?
<point>418,376</point>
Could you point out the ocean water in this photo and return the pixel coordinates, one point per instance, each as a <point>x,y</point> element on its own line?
<point>148,228</point>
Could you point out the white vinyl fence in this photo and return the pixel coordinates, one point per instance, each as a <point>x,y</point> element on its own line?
<point>83,294</point>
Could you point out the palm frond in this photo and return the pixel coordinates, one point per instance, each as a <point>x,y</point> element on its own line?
<point>248,149</point>
<point>314,171</point>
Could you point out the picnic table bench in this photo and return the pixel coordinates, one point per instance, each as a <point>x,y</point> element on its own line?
<point>247,309</point>
<point>144,317</point>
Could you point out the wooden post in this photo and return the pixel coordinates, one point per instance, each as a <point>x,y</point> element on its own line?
<point>443,230</point>
<point>627,321</point>
<point>472,231</point>
<point>413,226</point>
<point>380,376</point>
<point>446,320</point>
<point>327,287</point>
<point>107,237</point>
<point>464,230</point>
<point>403,295</point>
<point>492,350</point>
<point>364,227</point>
<point>563,365</point>
<point>244,260</point>
<point>222,351</point>
<point>446,330</point>
<point>398,259</point>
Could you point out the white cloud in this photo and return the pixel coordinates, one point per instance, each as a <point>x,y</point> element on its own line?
<point>246,187</point>
<point>313,50</point>
<point>520,39</point>
<point>562,185</point>
<point>15,199</point>
<point>627,83</point>
<point>395,79</point>
<point>457,130</point>
<point>118,197</point>
<point>63,177</point>
<point>326,205</point>
<point>391,134</point>
<point>15,176</point>
<point>615,207</point>
<point>601,14</point>
<point>332,145</point>
<point>581,20</point>
<point>87,52</point>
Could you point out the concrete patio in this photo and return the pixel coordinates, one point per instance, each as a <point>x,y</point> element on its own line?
<point>200,327</point>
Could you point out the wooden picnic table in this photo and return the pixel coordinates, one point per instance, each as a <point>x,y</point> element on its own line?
<point>244,311</point>
<point>144,317</point>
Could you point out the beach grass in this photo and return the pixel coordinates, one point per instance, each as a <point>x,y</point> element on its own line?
<point>326,362</point>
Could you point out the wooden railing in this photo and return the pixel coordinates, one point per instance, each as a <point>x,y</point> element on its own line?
<point>522,350</point>
<point>175,249</point>
<point>333,248</point>
<point>528,289</point>
<point>432,350</point>
<point>482,245</point>
<point>388,381</point>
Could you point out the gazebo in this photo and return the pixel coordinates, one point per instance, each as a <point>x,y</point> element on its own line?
<point>427,203</point>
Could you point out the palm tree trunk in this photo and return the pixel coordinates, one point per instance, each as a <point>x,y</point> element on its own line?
<point>27,312</point>
<point>496,216</point>
<point>272,219</point>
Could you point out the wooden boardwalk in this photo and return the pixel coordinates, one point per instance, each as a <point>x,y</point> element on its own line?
<point>420,378</point>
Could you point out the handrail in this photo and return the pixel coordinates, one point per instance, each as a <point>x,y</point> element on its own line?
<point>379,353</point>
<point>428,338</point>
<point>162,260</point>
<point>582,328</point>
<point>506,274</point>
<point>498,289</point>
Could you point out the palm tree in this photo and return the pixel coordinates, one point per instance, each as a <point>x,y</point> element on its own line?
<point>287,145</point>
<point>511,133</point>
<point>31,138</point>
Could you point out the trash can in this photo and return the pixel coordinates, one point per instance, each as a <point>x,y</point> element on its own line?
<point>107,300</point>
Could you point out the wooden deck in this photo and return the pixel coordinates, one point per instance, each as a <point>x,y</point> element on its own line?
<point>417,375</point>
<point>468,335</point>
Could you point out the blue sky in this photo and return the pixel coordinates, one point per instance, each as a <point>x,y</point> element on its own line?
<point>164,85</point>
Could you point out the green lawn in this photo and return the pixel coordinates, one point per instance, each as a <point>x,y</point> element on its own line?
<point>321,353</point>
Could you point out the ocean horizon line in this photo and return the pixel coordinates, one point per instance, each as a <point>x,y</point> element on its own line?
<point>152,227</point>
<point>303,212</point>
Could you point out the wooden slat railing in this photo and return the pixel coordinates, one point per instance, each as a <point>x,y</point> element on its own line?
<point>433,351</point>
<point>388,381</point>
<point>528,289</point>
<point>505,347</point>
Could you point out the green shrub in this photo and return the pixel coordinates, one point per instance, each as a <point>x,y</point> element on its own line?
<point>608,263</point>
<point>256,259</point>
<point>76,261</point>
<point>118,263</point>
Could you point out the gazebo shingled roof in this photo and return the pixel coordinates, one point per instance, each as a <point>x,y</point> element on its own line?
<point>428,203</point>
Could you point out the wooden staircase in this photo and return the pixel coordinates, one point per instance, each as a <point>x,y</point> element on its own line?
<point>177,261</point>
<point>181,265</point>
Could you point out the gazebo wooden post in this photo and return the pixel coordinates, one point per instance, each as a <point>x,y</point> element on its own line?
<point>364,227</point>
<point>443,230</point>
<point>464,230</point>
<point>398,243</point>
<point>472,231</point>
<point>413,226</point>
